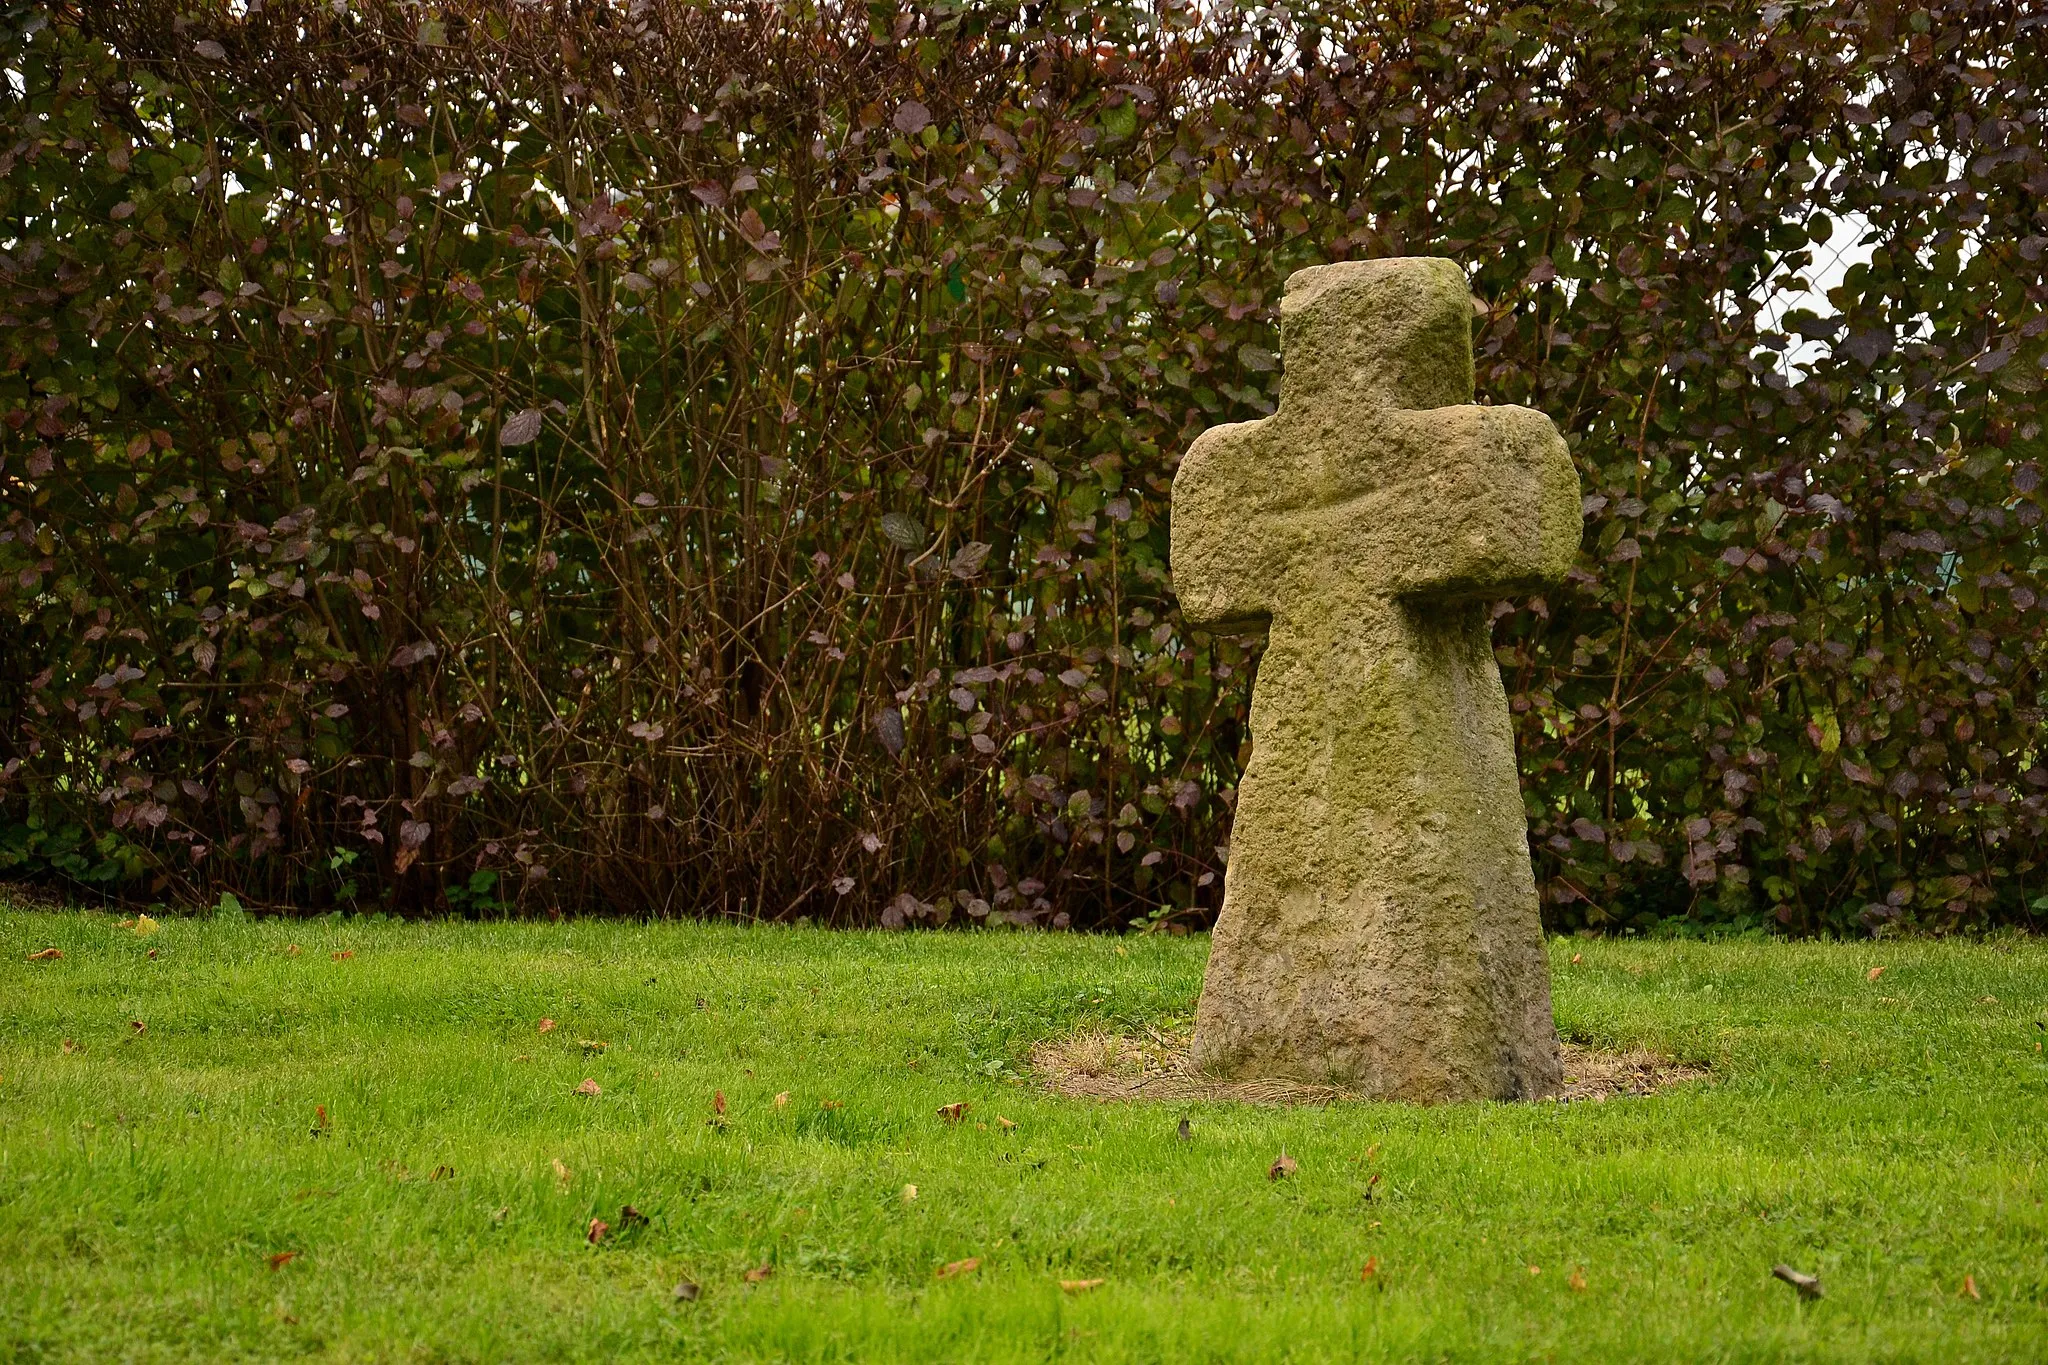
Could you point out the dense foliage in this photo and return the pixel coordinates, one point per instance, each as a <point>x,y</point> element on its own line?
<point>663,457</point>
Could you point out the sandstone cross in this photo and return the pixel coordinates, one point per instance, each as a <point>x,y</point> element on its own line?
<point>1379,924</point>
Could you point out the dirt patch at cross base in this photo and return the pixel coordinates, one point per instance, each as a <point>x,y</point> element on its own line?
<point>1104,1066</point>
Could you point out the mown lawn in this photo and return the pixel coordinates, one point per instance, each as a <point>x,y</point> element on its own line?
<point>1888,1135</point>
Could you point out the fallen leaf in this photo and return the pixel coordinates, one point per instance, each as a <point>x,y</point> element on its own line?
<point>1370,1270</point>
<point>561,1171</point>
<point>319,1119</point>
<point>782,1100</point>
<point>955,1269</point>
<point>590,1087</point>
<point>71,1047</point>
<point>630,1217</point>
<point>593,1045</point>
<point>443,1172</point>
<point>292,950</point>
<point>598,1228</point>
<point>145,925</point>
<point>151,954</point>
<point>831,1104</point>
<point>344,954</point>
<point>1576,958</point>
<point>1970,1287</point>
<point>1282,1167</point>
<point>1873,974</point>
<point>1807,1285</point>
<point>910,1194</point>
<point>1577,1279</point>
<point>1987,999</point>
<point>687,1291</point>
<point>1080,1286</point>
<point>1372,1153</point>
<point>500,1214</point>
<point>547,1026</point>
<point>760,1273</point>
<point>46,955</point>
<point>1535,1270</point>
<point>951,1112</point>
<point>283,1258</point>
<point>1005,1124</point>
<point>718,1101</point>
<point>138,1026</point>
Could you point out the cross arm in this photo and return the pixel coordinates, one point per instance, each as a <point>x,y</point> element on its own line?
<point>1494,504</point>
<point>1228,550</point>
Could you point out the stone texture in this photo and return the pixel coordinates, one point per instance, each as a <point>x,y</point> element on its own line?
<point>1379,927</point>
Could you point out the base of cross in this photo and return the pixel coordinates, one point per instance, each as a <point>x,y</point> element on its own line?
<point>1379,928</point>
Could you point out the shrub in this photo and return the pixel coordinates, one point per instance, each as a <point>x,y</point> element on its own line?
<point>713,458</point>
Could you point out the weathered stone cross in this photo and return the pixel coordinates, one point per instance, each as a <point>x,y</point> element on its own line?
<point>1379,924</point>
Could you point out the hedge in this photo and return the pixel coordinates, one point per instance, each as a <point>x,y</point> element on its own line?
<point>663,458</point>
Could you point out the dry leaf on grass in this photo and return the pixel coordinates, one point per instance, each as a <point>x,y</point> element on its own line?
<point>46,955</point>
<point>590,1087</point>
<point>598,1228</point>
<point>718,1101</point>
<point>292,950</point>
<point>954,1269</point>
<point>561,1172</point>
<point>71,1047</point>
<point>138,1026</point>
<point>760,1273</point>
<point>1535,1270</point>
<point>782,1100</point>
<point>282,1259</point>
<point>1873,974</point>
<point>910,1194</point>
<point>1080,1286</point>
<point>951,1112</point>
<point>593,1045</point>
<point>1370,1270</point>
<point>443,1172</point>
<point>1807,1285</point>
<point>547,1026</point>
<point>831,1104</point>
<point>1005,1124</point>
<point>688,1291</point>
<point>630,1217</point>
<point>344,954</point>
<point>1282,1167</point>
<point>1577,1280</point>
<point>1970,1287</point>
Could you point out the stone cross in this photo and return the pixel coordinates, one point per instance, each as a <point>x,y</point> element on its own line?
<point>1379,926</point>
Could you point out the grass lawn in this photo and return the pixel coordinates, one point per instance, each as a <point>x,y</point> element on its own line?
<point>1888,1135</point>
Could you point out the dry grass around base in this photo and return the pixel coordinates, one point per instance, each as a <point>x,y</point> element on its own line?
<point>1104,1066</point>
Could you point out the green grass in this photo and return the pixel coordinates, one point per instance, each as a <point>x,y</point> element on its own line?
<point>1888,1135</point>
